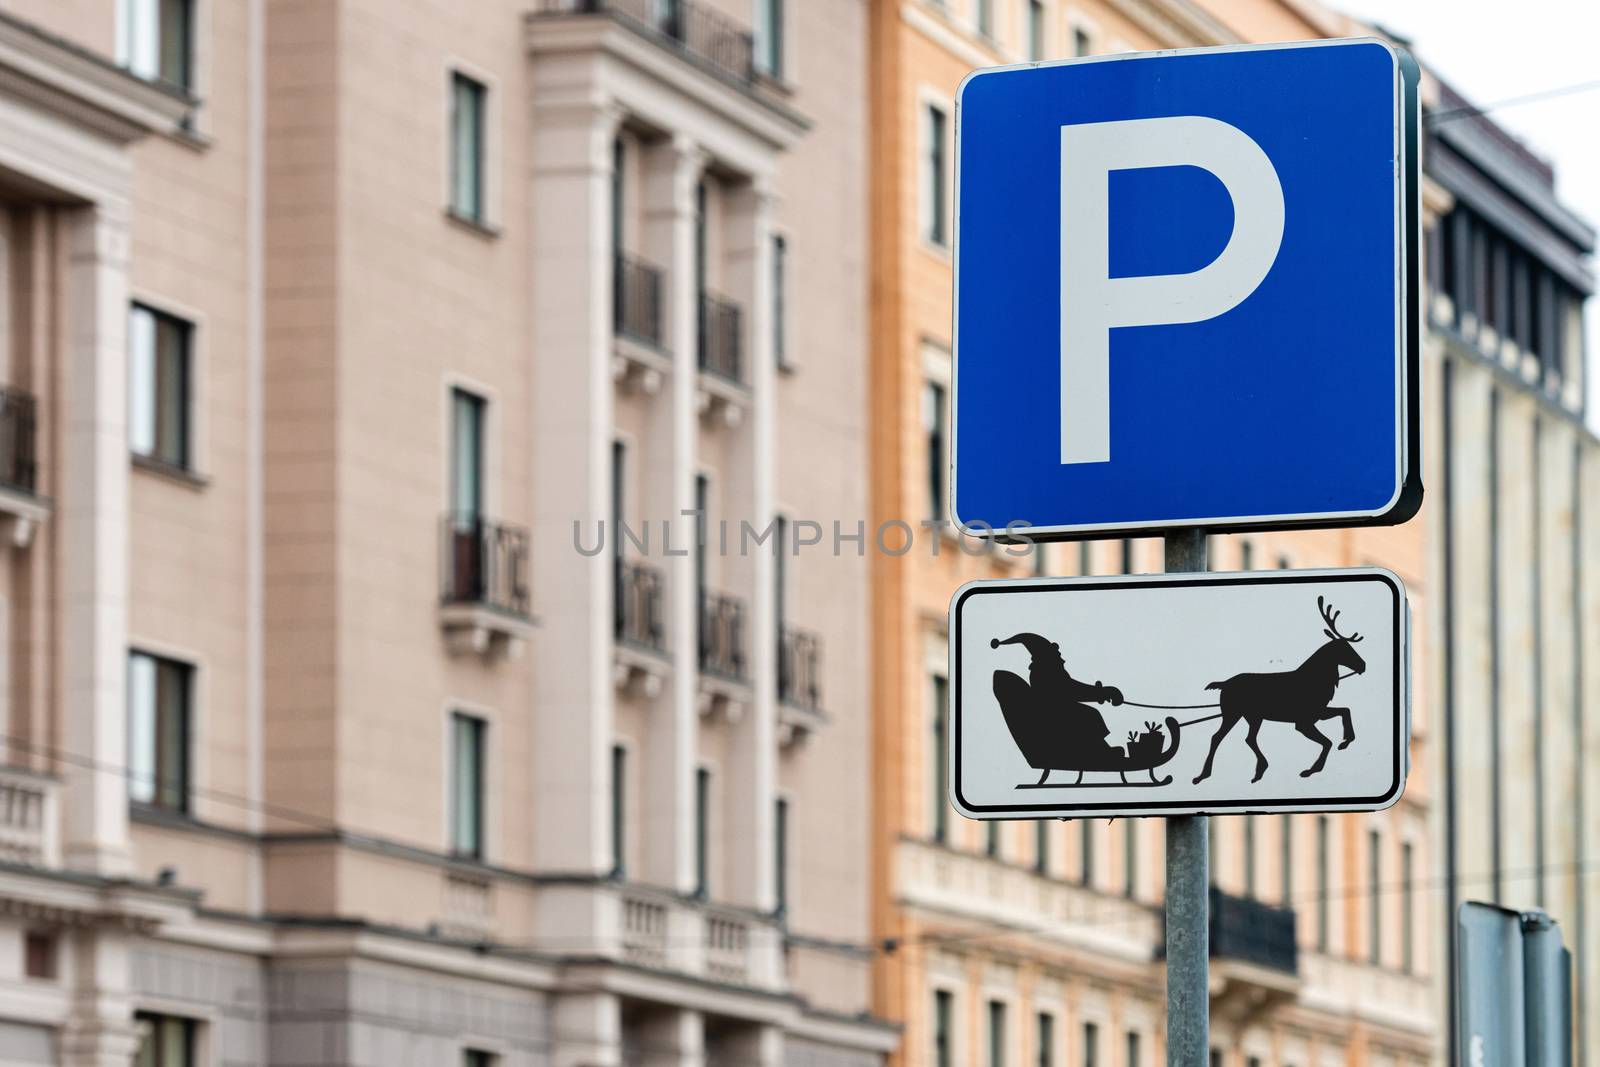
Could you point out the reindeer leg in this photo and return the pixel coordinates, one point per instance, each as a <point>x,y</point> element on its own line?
<point>1222,731</point>
<point>1343,715</point>
<point>1261,760</point>
<point>1310,730</point>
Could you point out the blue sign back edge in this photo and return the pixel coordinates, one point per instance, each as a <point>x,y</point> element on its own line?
<point>1408,498</point>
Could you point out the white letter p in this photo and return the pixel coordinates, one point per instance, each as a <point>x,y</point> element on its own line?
<point>1093,303</point>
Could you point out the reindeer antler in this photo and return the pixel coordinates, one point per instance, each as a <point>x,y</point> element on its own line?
<point>1331,617</point>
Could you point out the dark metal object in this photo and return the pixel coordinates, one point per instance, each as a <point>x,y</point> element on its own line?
<point>485,563</point>
<point>640,608</point>
<point>19,462</point>
<point>799,668</point>
<point>722,636</point>
<point>721,337</point>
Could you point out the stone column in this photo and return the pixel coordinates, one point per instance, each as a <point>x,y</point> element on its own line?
<point>99,1029</point>
<point>570,351</point>
<point>752,771</point>
<point>587,1031</point>
<point>671,1038</point>
<point>667,467</point>
<point>92,524</point>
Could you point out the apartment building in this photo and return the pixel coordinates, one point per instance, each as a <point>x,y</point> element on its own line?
<point>1040,943</point>
<point>1514,556</point>
<point>340,725</point>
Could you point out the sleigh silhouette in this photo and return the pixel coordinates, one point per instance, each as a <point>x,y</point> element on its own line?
<point>1039,728</point>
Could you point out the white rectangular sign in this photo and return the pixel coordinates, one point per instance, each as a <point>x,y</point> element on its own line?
<point>1171,694</point>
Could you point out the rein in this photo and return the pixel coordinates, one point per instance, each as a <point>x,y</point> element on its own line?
<point>1198,707</point>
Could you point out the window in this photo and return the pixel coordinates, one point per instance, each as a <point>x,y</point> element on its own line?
<point>475,1057</point>
<point>1322,883</point>
<point>1252,1061</point>
<point>159,696</point>
<point>466,455</point>
<point>1085,558</point>
<point>619,192</point>
<point>1047,1040</point>
<point>1286,861</point>
<point>934,427</point>
<point>159,356</point>
<point>155,40</point>
<point>1080,41</point>
<point>619,811</point>
<point>1035,30</point>
<point>1407,934</point>
<point>1127,556</point>
<point>166,1041</point>
<point>1133,1049</point>
<point>1130,858</point>
<point>1216,1057</point>
<point>1250,856</point>
<point>1041,566</point>
<point>780,270</point>
<point>943,1039</point>
<point>769,37</point>
<point>1041,846</point>
<point>1086,847</point>
<point>702,833</point>
<point>991,840</point>
<point>39,954</point>
<point>935,197</point>
<point>997,1033</point>
<point>1374,898</point>
<point>938,817</point>
<point>780,855</point>
<point>984,10</point>
<point>1091,1045</point>
<point>468,106</point>
<point>1247,555</point>
<point>467,736</point>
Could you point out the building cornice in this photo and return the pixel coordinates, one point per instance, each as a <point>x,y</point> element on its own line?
<point>76,84</point>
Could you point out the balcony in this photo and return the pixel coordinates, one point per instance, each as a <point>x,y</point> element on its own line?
<point>723,656</point>
<point>19,463</point>
<point>701,34</point>
<point>1255,955</point>
<point>484,602</point>
<point>721,340</point>
<point>722,636</point>
<point>668,932</point>
<point>799,683</point>
<point>29,818</point>
<point>640,620</point>
<point>638,296</point>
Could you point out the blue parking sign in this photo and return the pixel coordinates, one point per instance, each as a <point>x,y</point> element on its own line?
<point>1185,291</point>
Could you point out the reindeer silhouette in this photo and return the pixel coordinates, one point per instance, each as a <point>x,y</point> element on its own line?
<point>1299,696</point>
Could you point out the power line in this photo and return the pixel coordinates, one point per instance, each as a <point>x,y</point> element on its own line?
<point>1470,110</point>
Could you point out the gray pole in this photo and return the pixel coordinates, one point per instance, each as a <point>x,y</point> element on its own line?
<point>1188,926</point>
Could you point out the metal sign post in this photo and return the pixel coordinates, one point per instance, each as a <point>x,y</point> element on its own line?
<point>1188,877</point>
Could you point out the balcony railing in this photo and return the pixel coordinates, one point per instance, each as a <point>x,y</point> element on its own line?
<point>799,668</point>
<point>19,461</point>
<point>722,636</point>
<point>485,564</point>
<point>1249,930</point>
<point>701,32</point>
<point>640,609</point>
<point>721,340</point>
<point>636,295</point>
<point>29,821</point>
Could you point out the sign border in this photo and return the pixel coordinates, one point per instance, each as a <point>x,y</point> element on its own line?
<point>1406,500</point>
<point>1402,696</point>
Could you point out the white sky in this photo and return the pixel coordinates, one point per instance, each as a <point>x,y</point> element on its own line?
<point>1491,52</point>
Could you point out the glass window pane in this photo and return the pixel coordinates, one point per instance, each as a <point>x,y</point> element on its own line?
<point>141,381</point>
<point>142,728</point>
<point>171,391</point>
<point>466,455</point>
<point>174,35</point>
<point>467,789</point>
<point>172,727</point>
<point>466,139</point>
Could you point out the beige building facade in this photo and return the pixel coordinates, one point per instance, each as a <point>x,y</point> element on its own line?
<point>340,339</point>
